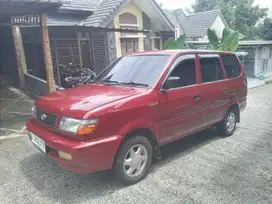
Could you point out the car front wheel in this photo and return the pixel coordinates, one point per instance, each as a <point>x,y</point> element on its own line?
<point>133,160</point>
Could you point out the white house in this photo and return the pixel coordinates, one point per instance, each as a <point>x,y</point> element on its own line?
<point>196,25</point>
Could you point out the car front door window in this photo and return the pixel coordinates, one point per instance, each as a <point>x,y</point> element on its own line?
<point>183,74</point>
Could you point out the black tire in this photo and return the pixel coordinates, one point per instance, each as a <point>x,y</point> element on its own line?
<point>222,127</point>
<point>119,161</point>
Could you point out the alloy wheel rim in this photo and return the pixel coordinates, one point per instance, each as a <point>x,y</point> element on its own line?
<point>231,120</point>
<point>135,160</point>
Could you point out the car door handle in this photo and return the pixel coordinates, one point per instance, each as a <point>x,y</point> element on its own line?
<point>196,97</point>
<point>225,90</point>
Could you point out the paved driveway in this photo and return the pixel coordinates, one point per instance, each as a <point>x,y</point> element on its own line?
<point>15,109</point>
<point>203,168</point>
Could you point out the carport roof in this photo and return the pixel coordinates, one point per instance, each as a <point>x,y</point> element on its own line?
<point>23,7</point>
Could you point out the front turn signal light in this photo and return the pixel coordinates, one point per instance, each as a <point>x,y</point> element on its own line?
<point>86,129</point>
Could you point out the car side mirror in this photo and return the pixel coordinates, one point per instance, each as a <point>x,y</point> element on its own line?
<point>170,82</point>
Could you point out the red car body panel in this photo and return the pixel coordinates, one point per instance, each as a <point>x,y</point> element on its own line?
<point>121,110</point>
<point>75,102</point>
<point>87,156</point>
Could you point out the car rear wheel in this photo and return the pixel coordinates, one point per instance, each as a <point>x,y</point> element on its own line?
<point>133,160</point>
<point>227,127</point>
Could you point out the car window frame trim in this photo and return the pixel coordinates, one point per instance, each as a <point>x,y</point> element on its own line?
<point>174,64</point>
<point>221,64</point>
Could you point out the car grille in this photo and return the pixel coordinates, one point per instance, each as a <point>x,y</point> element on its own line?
<point>46,118</point>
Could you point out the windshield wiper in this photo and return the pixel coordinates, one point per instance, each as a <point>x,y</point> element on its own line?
<point>111,82</point>
<point>134,84</point>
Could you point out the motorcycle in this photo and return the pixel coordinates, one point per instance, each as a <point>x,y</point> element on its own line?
<point>72,77</point>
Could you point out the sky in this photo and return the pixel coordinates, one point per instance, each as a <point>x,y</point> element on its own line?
<point>175,4</point>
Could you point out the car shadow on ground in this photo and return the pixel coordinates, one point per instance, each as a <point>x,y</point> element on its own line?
<point>187,145</point>
<point>63,186</point>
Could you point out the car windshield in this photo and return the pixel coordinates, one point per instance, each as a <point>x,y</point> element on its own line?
<point>134,70</point>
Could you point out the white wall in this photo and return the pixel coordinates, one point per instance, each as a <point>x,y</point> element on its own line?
<point>177,32</point>
<point>263,60</point>
<point>218,26</point>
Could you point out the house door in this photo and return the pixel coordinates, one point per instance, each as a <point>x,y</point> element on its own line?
<point>129,46</point>
<point>85,54</point>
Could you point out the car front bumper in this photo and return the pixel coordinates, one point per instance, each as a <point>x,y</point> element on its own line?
<point>87,156</point>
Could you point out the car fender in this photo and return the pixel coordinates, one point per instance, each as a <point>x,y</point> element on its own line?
<point>139,124</point>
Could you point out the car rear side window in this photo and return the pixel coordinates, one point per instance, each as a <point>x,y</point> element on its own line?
<point>210,66</point>
<point>231,65</point>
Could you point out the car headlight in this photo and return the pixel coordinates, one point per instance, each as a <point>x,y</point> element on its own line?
<point>77,126</point>
<point>33,112</point>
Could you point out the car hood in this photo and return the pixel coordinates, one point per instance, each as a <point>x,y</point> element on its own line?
<point>76,102</point>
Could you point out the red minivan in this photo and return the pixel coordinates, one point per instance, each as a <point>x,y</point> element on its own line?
<point>137,104</point>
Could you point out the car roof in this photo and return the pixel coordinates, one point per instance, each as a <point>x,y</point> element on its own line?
<point>176,52</point>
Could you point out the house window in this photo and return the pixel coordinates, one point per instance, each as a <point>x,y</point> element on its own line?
<point>128,19</point>
<point>129,45</point>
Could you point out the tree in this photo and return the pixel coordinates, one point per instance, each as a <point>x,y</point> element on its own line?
<point>247,16</point>
<point>240,15</point>
<point>264,30</point>
<point>204,5</point>
<point>228,42</point>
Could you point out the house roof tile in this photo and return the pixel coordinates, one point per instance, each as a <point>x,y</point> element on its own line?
<point>64,20</point>
<point>104,10</point>
<point>195,25</point>
<point>81,5</point>
<point>100,12</point>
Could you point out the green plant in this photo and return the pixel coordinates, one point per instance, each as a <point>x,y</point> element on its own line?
<point>172,44</point>
<point>228,42</point>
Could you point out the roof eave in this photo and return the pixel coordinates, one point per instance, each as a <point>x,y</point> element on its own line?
<point>76,12</point>
<point>106,22</point>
